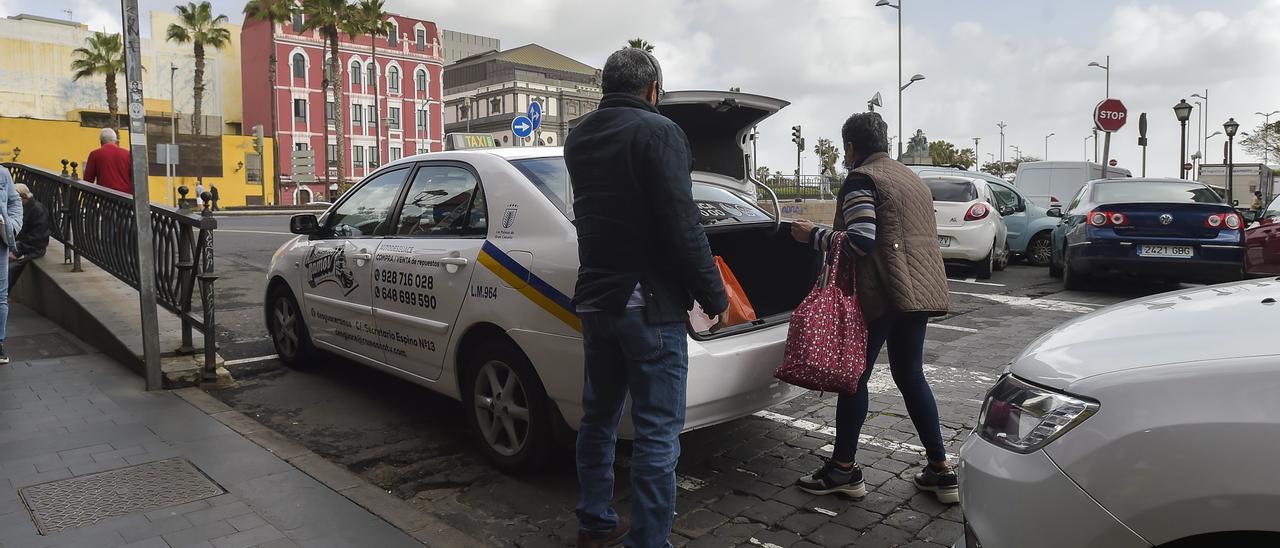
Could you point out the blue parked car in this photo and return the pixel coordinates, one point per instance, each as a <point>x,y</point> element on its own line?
<point>1030,226</point>
<point>1167,229</point>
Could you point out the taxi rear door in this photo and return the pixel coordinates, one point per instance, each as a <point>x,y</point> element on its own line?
<point>422,271</point>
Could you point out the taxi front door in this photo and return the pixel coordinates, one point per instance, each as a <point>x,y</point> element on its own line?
<point>337,270</point>
<point>423,270</point>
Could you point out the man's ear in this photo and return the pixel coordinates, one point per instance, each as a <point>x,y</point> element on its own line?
<point>652,96</point>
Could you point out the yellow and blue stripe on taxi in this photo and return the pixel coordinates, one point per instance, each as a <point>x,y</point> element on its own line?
<point>530,285</point>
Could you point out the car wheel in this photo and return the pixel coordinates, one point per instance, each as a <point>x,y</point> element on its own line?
<point>506,406</point>
<point>1003,262</point>
<point>982,269</point>
<point>288,329</point>
<point>1040,250</point>
<point>1071,279</point>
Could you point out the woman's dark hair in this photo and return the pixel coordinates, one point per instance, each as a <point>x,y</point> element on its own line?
<point>866,132</point>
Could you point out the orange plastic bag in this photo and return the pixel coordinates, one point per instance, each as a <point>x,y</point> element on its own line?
<point>740,310</point>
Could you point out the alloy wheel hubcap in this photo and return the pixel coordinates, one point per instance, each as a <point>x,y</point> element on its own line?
<point>502,408</point>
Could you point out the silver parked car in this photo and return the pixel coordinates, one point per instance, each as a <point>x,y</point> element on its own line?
<point>1151,423</point>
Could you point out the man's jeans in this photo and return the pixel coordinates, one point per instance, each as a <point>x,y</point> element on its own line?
<point>4,289</point>
<point>624,354</point>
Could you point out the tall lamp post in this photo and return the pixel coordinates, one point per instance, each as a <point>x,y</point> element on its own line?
<point>1266,132</point>
<point>1230,127</point>
<point>1183,111</point>
<point>1107,68</point>
<point>1046,145</point>
<point>1086,146</point>
<point>1002,125</point>
<point>975,150</point>
<point>901,87</point>
<point>170,168</point>
<point>1204,113</point>
<point>1199,153</point>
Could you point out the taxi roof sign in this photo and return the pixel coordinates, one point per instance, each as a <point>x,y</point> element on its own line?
<point>467,141</point>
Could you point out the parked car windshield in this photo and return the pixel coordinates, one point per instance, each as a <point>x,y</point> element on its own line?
<point>550,176</point>
<point>952,190</point>
<point>1153,192</point>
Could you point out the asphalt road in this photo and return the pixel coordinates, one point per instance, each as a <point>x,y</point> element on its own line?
<point>735,478</point>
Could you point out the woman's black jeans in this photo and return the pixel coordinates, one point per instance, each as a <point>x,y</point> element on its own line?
<point>904,334</point>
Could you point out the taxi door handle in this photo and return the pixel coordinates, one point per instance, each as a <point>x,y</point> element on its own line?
<point>455,261</point>
<point>361,256</point>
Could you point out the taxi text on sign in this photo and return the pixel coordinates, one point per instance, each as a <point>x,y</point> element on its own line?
<point>1110,115</point>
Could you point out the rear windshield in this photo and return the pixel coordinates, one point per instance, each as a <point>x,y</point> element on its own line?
<point>951,190</point>
<point>550,176</point>
<point>1104,193</point>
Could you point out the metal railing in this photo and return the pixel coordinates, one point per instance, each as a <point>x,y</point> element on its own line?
<point>99,224</point>
<point>806,187</point>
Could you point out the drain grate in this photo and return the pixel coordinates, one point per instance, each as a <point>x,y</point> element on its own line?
<point>85,500</point>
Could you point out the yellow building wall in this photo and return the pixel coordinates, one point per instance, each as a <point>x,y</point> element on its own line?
<point>45,143</point>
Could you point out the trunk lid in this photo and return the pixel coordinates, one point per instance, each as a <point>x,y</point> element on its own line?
<point>718,124</point>
<point>951,213</point>
<point>1148,219</point>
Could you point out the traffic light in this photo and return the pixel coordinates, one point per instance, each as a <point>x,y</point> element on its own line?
<point>795,136</point>
<point>257,139</point>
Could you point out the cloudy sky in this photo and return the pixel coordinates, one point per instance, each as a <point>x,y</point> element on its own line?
<point>1023,62</point>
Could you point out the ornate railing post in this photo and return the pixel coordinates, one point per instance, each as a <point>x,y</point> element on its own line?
<point>74,175</point>
<point>207,277</point>
<point>186,276</point>
<point>71,210</point>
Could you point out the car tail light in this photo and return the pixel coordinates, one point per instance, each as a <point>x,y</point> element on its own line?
<point>1106,218</point>
<point>1230,220</point>
<point>977,212</point>
<point>1023,417</point>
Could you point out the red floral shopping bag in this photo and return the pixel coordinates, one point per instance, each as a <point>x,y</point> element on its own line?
<point>827,342</point>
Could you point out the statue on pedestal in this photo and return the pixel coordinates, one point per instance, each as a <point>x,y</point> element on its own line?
<point>917,150</point>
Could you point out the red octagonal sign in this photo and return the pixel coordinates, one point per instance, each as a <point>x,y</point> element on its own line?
<point>1110,115</point>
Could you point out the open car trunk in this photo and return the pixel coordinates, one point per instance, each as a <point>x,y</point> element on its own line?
<point>774,270</point>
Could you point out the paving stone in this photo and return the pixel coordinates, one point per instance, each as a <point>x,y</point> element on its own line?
<point>891,466</point>
<point>245,539</point>
<point>795,496</point>
<point>910,521</point>
<point>765,537</point>
<point>923,544</point>
<point>953,512</point>
<point>878,502</point>
<point>729,534</point>
<point>768,512</point>
<point>698,522</point>
<point>734,504</point>
<point>200,533</point>
<point>857,518</point>
<point>942,531</point>
<point>833,535</point>
<point>883,536</point>
<point>215,513</point>
<point>804,522</point>
<point>808,442</point>
<point>156,527</point>
<point>246,522</point>
<point>805,544</point>
<point>927,503</point>
<point>874,476</point>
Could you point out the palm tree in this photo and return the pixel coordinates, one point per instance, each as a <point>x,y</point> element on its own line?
<point>199,27</point>
<point>640,43</point>
<point>103,54</point>
<point>370,19</point>
<point>272,12</point>
<point>328,17</point>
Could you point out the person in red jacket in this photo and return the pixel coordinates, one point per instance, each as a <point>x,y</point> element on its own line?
<point>110,165</point>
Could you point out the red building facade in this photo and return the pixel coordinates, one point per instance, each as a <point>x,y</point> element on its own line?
<point>407,109</point>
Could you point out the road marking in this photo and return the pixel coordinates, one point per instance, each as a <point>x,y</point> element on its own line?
<point>942,379</point>
<point>864,439</point>
<point>975,281</point>
<point>253,231</point>
<point>254,359</point>
<point>1042,304</point>
<point>954,328</point>
<point>825,512</point>
<point>762,544</point>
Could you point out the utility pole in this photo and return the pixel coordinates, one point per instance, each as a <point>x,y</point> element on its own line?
<point>798,139</point>
<point>975,151</point>
<point>1002,125</point>
<point>141,196</point>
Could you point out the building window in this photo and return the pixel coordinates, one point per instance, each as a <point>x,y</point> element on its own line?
<point>297,22</point>
<point>495,106</point>
<point>373,157</point>
<point>328,112</point>
<point>422,122</point>
<point>300,146</point>
<point>373,115</point>
<point>393,37</point>
<point>420,38</point>
<point>372,74</point>
<point>357,115</point>
<point>394,154</point>
<point>393,117</point>
<point>393,79</point>
<point>299,65</point>
<point>420,81</point>
<point>300,110</point>
<point>355,73</point>
<point>331,155</point>
<point>357,156</point>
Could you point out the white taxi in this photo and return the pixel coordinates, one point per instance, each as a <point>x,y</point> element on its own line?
<point>455,270</point>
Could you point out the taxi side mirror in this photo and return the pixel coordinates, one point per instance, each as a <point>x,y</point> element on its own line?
<point>305,224</point>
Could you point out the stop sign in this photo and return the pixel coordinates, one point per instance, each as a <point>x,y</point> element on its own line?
<point>1110,115</point>
<point>1113,163</point>
<point>1187,167</point>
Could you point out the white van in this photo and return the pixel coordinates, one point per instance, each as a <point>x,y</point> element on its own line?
<point>1047,184</point>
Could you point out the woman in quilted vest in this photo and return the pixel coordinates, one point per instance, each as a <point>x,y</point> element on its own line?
<point>886,213</point>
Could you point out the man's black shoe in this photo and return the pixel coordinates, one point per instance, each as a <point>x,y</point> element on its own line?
<point>943,484</point>
<point>588,539</point>
<point>4,358</point>
<point>833,479</point>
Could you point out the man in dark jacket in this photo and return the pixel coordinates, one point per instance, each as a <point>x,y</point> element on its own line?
<point>644,259</point>
<point>34,238</point>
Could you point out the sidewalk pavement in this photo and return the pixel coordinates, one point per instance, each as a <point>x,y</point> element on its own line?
<point>153,469</point>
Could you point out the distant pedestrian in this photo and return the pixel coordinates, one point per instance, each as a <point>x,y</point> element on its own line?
<point>1257,202</point>
<point>213,196</point>
<point>199,194</point>
<point>10,226</point>
<point>887,214</point>
<point>644,260</point>
<point>110,165</point>
<point>34,237</point>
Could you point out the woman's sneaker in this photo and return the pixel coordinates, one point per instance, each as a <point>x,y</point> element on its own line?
<point>943,484</point>
<point>833,479</point>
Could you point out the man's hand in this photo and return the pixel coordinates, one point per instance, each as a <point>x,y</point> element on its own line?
<point>801,230</point>
<point>12,257</point>
<point>720,323</point>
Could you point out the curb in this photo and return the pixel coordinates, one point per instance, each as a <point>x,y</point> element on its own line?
<point>264,212</point>
<point>423,527</point>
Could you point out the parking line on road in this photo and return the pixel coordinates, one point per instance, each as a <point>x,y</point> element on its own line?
<point>254,359</point>
<point>864,439</point>
<point>1042,304</point>
<point>953,327</point>
<point>975,281</point>
<point>254,232</point>
<point>757,542</point>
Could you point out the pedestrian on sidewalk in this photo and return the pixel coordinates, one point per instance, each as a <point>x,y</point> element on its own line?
<point>643,254</point>
<point>887,215</point>
<point>213,196</point>
<point>110,165</point>
<point>34,237</point>
<point>199,194</point>
<point>10,226</point>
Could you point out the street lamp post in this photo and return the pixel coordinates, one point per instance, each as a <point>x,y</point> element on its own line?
<point>1046,145</point>
<point>1230,127</point>
<point>1204,113</point>
<point>975,149</point>
<point>1106,67</point>
<point>901,86</point>
<point>1199,153</point>
<point>1086,147</point>
<point>170,168</point>
<point>1183,111</point>
<point>1002,125</point>
<point>1266,132</point>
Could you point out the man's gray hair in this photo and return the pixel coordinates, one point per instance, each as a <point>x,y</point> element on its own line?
<point>107,135</point>
<point>23,190</point>
<point>631,70</point>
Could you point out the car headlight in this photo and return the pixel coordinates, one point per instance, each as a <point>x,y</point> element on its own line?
<point>1023,418</point>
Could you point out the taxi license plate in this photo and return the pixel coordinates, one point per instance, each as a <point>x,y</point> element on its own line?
<point>943,241</point>
<point>1166,251</point>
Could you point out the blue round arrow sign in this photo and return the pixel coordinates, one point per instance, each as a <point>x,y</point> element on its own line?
<point>535,114</point>
<point>522,126</point>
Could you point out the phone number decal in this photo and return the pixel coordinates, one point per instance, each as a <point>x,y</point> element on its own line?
<point>405,279</point>
<point>404,296</point>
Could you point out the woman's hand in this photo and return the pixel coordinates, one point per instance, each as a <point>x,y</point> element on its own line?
<point>801,230</point>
